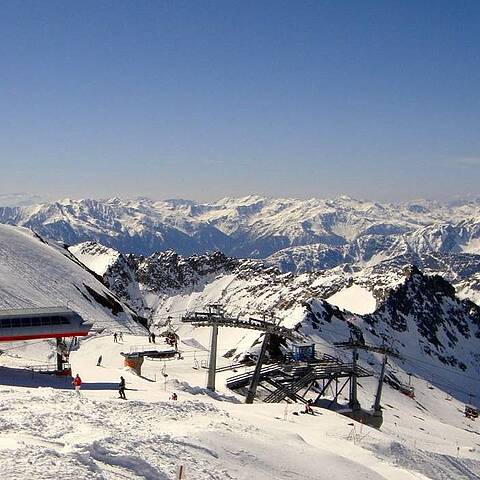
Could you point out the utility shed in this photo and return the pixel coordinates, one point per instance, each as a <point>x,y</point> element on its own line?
<point>303,352</point>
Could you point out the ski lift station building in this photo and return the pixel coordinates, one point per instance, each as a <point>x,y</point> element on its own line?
<point>38,323</point>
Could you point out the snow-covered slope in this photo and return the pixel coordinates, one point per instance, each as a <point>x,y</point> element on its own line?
<point>355,299</point>
<point>418,314</point>
<point>94,256</point>
<point>34,273</point>
<point>48,433</point>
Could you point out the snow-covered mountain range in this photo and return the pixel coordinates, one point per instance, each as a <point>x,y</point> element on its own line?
<point>336,231</point>
<point>294,235</point>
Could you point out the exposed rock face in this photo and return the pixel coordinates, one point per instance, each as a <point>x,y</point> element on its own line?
<point>427,307</point>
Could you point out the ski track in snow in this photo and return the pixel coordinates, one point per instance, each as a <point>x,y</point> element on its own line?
<point>56,434</point>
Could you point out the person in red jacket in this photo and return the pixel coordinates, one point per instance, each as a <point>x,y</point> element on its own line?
<point>77,383</point>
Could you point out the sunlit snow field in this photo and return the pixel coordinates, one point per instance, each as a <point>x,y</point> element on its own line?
<point>47,432</point>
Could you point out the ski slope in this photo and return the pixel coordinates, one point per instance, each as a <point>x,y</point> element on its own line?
<point>49,433</point>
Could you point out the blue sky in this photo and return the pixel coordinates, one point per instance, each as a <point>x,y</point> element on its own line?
<point>205,99</point>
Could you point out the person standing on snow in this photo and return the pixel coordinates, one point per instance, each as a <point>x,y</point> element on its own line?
<point>115,337</point>
<point>308,407</point>
<point>77,383</point>
<point>99,362</point>
<point>153,337</point>
<point>121,388</point>
<point>120,336</point>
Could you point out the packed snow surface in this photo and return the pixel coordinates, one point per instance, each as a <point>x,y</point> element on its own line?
<point>47,432</point>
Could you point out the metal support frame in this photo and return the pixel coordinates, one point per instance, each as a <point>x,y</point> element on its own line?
<point>353,402</point>
<point>355,345</point>
<point>212,365</point>
<point>325,386</point>
<point>215,317</point>
<point>252,389</point>
<point>338,392</point>
<point>59,355</point>
<point>312,383</point>
<point>378,396</point>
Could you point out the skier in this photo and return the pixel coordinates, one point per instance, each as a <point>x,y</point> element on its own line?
<point>115,337</point>
<point>99,362</point>
<point>153,337</point>
<point>174,396</point>
<point>149,338</point>
<point>121,389</point>
<point>120,335</point>
<point>308,407</point>
<point>77,383</point>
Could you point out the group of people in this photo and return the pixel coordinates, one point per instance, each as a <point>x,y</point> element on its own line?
<point>117,337</point>
<point>77,384</point>
<point>171,338</point>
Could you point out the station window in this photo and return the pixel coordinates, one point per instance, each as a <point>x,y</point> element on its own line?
<point>33,321</point>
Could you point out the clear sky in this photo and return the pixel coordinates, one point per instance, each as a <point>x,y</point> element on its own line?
<point>205,99</point>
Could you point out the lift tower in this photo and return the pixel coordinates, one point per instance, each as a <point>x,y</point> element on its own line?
<point>356,345</point>
<point>215,317</point>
